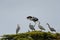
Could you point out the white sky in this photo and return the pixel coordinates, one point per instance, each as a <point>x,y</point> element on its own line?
<point>13,12</point>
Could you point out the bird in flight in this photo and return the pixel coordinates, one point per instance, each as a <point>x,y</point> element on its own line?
<point>34,19</point>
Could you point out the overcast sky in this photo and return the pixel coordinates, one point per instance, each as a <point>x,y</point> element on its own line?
<point>13,12</point>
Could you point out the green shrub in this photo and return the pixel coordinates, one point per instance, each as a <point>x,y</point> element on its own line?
<point>34,35</point>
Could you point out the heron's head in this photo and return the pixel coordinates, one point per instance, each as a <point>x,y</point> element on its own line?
<point>29,17</point>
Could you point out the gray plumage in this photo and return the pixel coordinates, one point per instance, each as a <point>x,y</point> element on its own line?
<point>41,27</point>
<point>51,29</point>
<point>31,26</point>
<point>18,28</point>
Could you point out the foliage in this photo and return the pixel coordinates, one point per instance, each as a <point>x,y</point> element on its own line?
<point>34,35</point>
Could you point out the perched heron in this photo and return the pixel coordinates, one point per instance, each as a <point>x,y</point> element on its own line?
<point>18,28</point>
<point>41,27</point>
<point>31,26</point>
<point>34,19</point>
<point>51,29</point>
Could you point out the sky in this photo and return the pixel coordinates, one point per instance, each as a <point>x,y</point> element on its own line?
<point>13,12</point>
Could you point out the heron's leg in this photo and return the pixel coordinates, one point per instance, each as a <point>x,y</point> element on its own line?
<point>35,24</point>
<point>40,30</point>
<point>34,29</point>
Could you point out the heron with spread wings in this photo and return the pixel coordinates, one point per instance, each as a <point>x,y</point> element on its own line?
<point>34,19</point>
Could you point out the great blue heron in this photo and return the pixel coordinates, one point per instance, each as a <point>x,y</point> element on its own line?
<point>41,27</point>
<point>18,28</point>
<point>31,26</point>
<point>34,19</point>
<point>51,29</point>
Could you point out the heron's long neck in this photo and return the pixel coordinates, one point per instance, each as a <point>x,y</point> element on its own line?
<point>48,25</point>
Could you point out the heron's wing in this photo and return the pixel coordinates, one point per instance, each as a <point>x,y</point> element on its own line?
<point>52,29</point>
<point>41,27</point>
<point>31,27</point>
<point>17,30</point>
